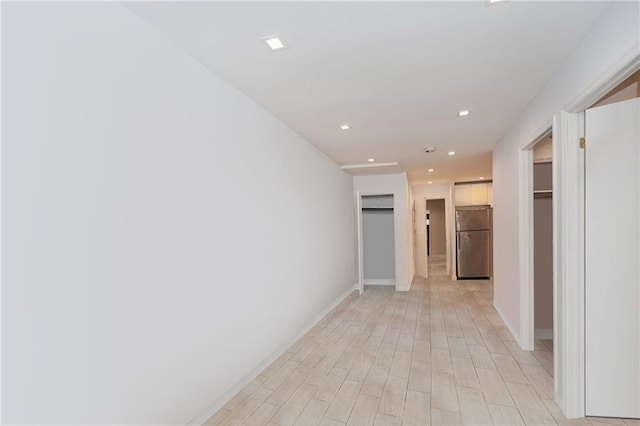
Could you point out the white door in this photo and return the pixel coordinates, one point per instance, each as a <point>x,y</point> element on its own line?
<point>612,260</point>
<point>359,238</point>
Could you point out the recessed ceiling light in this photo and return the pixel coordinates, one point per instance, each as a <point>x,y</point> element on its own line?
<point>429,182</point>
<point>345,127</point>
<point>430,170</point>
<point>492,2</point>
<point>371,160</point>
<point>463,113</point>
<point>274,42</point>
<point>452,153</point>
<point>481,177</point>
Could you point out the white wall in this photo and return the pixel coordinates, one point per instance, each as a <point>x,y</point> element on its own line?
<point>615,34</point>
<point>395,184</point>
<point>431,192</point>
<point>162,234</point>
<point>410,234</point>
<point>420,235</point>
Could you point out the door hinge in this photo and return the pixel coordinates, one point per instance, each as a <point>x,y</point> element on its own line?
<point>583,142</point>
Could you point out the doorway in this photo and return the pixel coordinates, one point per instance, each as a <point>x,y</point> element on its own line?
<point>543,240</point>
<point>433,226</point>
<point>436,229</point>
<point>378,243</point>
<point>569,231</point>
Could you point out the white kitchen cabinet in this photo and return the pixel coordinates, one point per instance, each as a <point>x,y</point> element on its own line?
<point>474,194</point>
<point>462,195</point>
<point>478,194</point>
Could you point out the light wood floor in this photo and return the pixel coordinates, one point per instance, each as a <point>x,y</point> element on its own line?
<point>438,354</point>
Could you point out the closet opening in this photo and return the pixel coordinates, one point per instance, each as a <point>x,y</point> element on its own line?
<point>543,251</point>
<point>378,241</point>
<point>436,231</point>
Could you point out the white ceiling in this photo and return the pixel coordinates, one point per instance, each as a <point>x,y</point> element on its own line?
<point>397,72</point>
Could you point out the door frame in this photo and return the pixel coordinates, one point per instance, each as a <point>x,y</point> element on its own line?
<point>526,267</point>
<point>359,242</point>
<point>449,211</point>
<point>568,224</point>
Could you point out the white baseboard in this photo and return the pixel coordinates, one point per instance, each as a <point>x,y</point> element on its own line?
<point>507,323</point>
<point>544,333</point>
<point>380,282</point>
<point>207,414</point>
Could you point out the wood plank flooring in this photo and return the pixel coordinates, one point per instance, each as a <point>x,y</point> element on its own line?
<point>438,354</point>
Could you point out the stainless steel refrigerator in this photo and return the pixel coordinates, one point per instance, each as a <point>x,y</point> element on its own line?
<point>474,241</point>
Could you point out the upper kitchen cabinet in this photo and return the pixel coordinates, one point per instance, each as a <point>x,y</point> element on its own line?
<point>474,194</point>
<point>462,195</point>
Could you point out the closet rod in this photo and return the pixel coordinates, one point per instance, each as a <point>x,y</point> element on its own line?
<point>378,209</point>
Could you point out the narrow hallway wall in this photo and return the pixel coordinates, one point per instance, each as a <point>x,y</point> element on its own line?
<point>163,235</point>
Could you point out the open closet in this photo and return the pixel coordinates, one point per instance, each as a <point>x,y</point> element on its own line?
<point>543,239</point>
<point>378,242</point>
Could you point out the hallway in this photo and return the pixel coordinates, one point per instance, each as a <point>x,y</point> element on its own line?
<point>438,354</point>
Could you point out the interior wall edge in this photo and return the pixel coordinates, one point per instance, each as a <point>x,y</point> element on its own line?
<point>510,326</point>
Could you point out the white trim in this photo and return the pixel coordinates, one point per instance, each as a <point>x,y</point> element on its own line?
<point>579,341</point>
<point>526,250</point>
<point>2,233</point>
<point>568,260</point>
<point>209,412</point>
<point>452,246</point>
<point>360,259</point>
<point>380,282</point>
<point>544,333</point>
<point>618,71</point>
<point>506,321</point>
<point>526,246</point>
<point>450,229</point>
